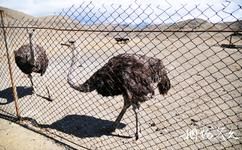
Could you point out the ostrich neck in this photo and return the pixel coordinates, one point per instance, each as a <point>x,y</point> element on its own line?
<point>31,49</point>
<point>80,87</point>
<point>71,69</point>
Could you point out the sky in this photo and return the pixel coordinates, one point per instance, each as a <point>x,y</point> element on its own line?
<point>52,7</point>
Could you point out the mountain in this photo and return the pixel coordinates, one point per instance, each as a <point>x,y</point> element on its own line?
<point>197,24</point>
<point>14,14</point>
<point>191,24</point>
<point>58,21</point>
<point>14,17</point>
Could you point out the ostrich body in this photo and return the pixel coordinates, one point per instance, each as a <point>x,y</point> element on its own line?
<point>31,58</point>
<point>129,75</point>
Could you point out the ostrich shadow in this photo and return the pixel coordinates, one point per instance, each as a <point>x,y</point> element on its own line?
<point>8,93</point>
<point>83,126</point>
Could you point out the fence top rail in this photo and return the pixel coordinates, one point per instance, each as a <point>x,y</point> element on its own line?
<point>123,30</point>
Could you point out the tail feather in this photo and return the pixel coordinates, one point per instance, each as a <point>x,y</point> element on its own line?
<point>164,85</point>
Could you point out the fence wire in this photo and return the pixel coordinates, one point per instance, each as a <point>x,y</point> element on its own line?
<point>202,110</point>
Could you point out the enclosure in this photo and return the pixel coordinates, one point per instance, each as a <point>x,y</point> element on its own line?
<point>202,110</point>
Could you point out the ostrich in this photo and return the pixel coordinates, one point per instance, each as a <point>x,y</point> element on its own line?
<point>31,58</point>
<point>129,75</point>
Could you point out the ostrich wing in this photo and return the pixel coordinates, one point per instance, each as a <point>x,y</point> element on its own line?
<point>41,60</point>
<point>137,81</point>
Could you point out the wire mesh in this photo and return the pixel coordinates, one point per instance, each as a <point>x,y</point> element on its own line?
<point>202,110</point>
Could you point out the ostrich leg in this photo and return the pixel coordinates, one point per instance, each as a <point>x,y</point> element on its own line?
<point>136,121</point>
<point>127,104</point>
<point>33,91</point>
<point>120,116</point>
<point>32,84</point>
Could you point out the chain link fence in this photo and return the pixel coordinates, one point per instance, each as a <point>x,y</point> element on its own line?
<point>200,47</point>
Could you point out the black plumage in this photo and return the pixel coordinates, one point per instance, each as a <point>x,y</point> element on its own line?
<point>23,59</point>
<point>129,75</point>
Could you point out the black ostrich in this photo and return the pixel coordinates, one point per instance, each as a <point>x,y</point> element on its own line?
<point>31,58</point>
<point>129,75</point>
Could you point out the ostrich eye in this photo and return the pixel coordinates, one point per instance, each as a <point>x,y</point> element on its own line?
<point>101,83</point>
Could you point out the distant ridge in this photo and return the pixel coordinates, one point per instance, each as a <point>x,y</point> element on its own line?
<point>11,16</point>
<point>14,14</point>
<point>71,23</point>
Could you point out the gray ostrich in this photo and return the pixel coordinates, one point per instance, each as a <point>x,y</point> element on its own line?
<point>31,58</point>
<point>129,75</point>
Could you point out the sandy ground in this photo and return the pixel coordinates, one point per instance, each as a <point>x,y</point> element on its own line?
<point>16,137</point>
<point>205,94</point>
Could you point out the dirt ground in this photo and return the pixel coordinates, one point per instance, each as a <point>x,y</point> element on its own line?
<point>16,137</point>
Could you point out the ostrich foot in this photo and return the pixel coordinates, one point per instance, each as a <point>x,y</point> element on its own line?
<point>33,91</point>
<point>136,136</point>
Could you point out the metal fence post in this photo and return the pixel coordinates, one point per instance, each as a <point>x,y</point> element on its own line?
<point>15,96</point>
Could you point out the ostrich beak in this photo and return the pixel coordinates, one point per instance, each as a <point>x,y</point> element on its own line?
<point>64,44</point>
<point>70,42</point>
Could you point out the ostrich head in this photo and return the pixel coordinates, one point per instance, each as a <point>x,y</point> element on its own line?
<point>30,31</point>
<point>72,45</point>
